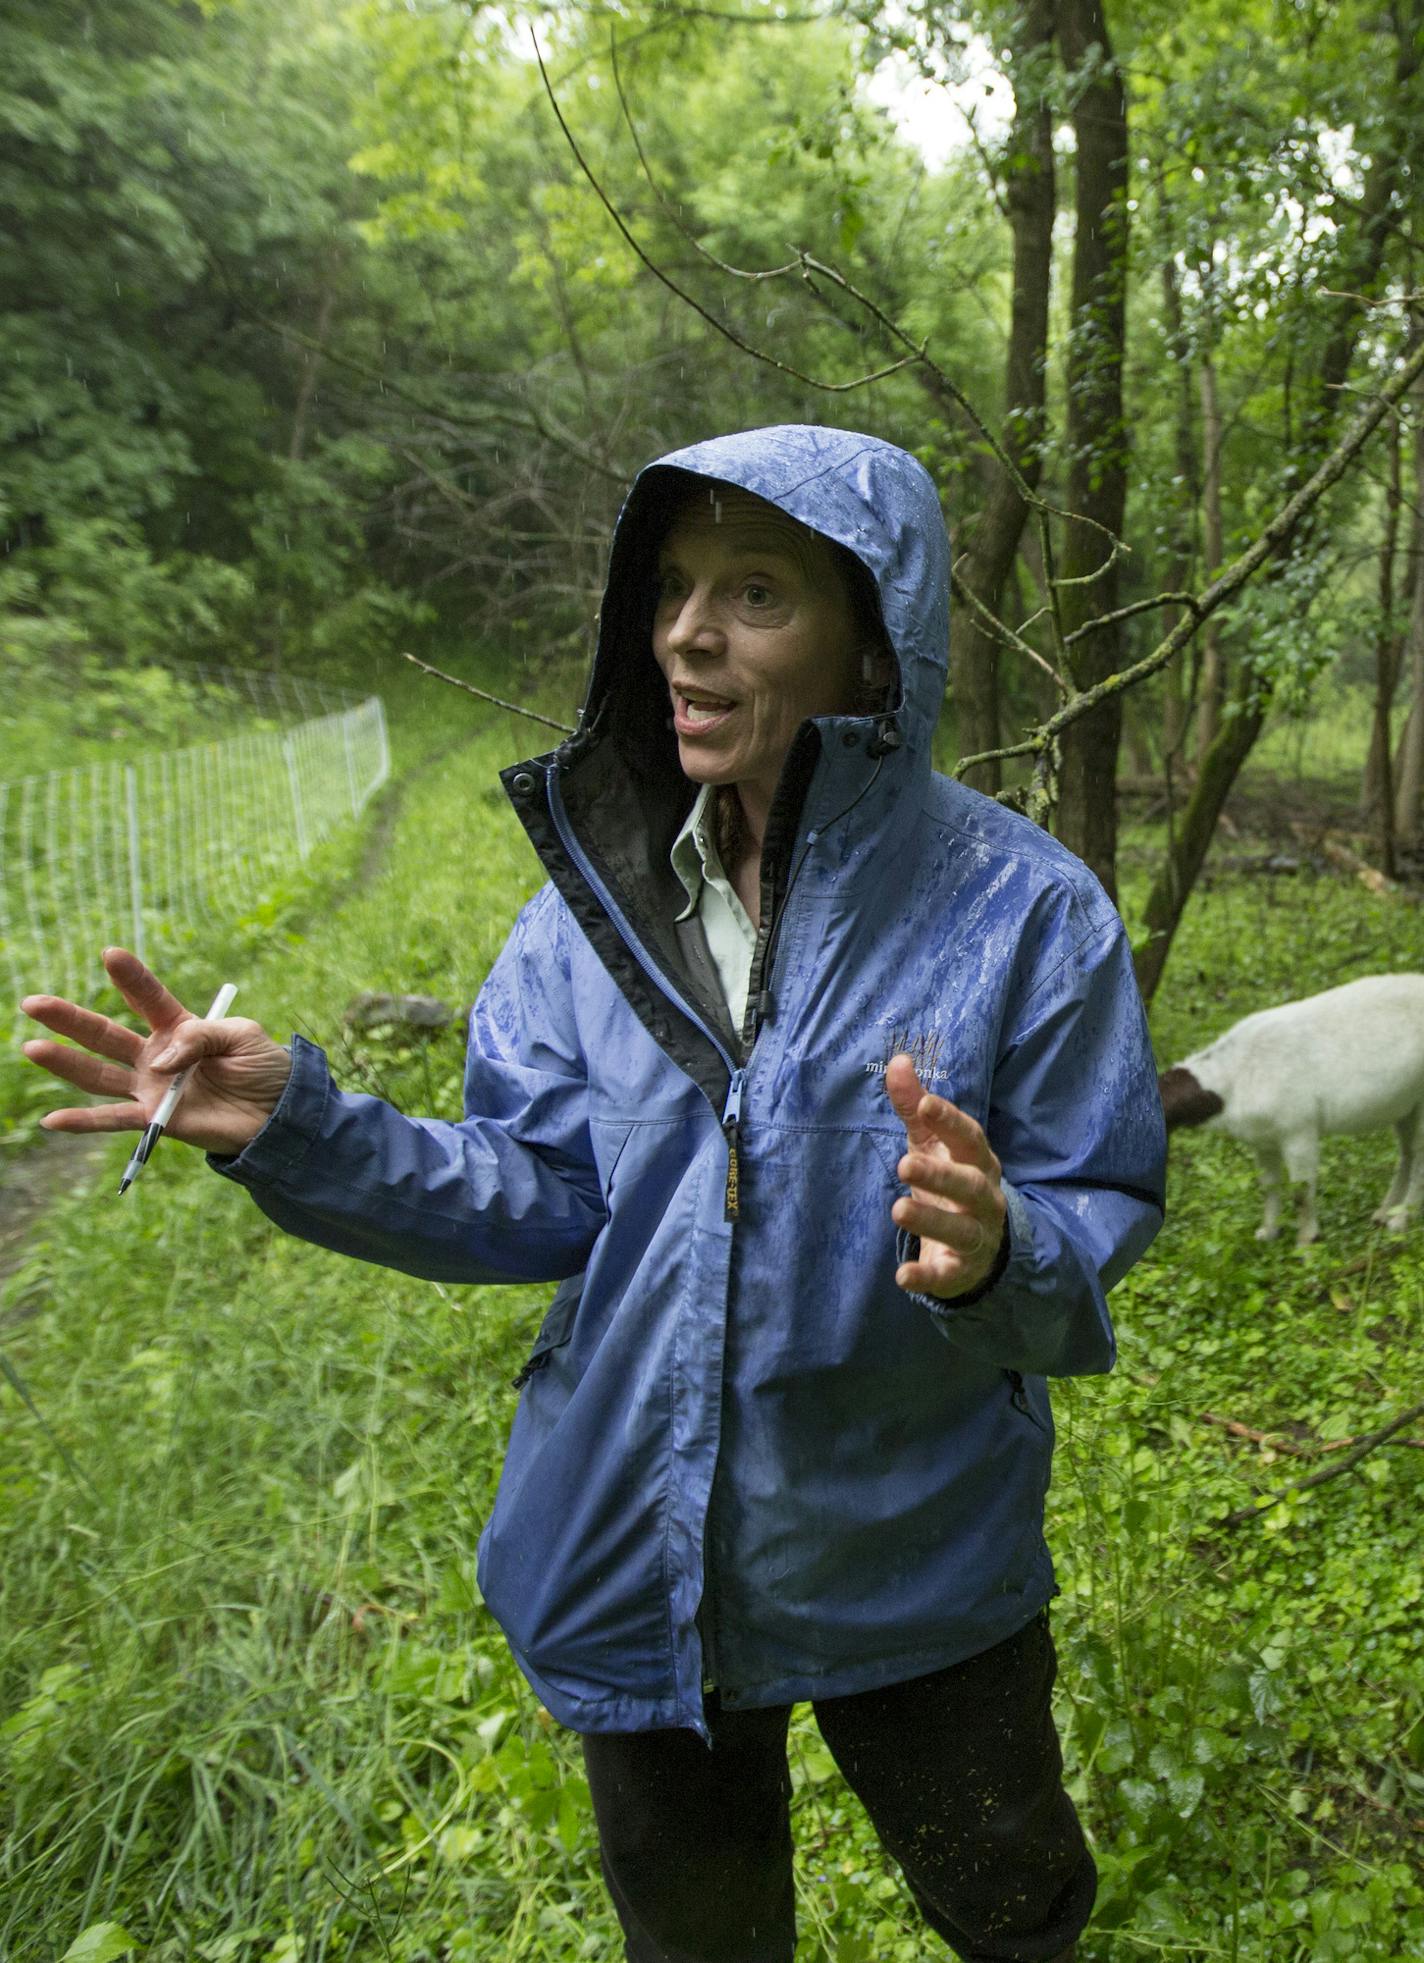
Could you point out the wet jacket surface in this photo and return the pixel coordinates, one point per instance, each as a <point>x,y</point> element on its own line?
<point>742,1453</point>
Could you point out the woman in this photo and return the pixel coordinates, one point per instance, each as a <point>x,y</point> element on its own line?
<point>785,1433</point>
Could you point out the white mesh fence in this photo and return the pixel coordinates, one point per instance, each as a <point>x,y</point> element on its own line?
<point>177,847</point>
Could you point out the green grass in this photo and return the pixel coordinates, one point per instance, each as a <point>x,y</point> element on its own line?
<point>254,1712</point>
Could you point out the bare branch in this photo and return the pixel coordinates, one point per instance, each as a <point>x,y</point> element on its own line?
<point>1126,613</point>
<point>681,293</point>
<point>1292,1447</point>
<point>1099,572</point>
<point>524,417</point>
<point>1234,577</point>
<point>1371,1442</point>
<point>680,12</point>
<point>812,269</point>
<point>485,696</point>
<point>673,218</point>
<point>1379,300</point>
<point>1002,632</point>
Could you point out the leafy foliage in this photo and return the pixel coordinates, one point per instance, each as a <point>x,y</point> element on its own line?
<point>255,1708</point>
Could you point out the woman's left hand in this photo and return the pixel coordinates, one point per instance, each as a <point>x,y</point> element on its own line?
<point>956,1202</point>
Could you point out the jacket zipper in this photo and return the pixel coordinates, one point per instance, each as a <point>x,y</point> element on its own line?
<point>732,1131</point>
<point>538,1361</point>
<point>731,1125</point>
<point>731,1110</point>
<point>1018,1397</point>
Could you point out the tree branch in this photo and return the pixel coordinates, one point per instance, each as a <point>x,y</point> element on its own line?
<point>1295,1448</point>
<point>1233,577</point>
<point>680,292</point>
<point>1369,1443</point>
<point>810,269</point>
<point>1126,613</point>
<point>525,417</point>
<point>1002,632</point>
<point>485,696</point>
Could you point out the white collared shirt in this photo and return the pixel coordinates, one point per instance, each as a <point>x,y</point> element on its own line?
<point>731,936</point>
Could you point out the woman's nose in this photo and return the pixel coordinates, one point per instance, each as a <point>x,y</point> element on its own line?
<point>693,628</point>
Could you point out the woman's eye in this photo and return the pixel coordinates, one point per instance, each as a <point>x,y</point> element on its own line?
<point>668,586</point>
<point>757,595</point>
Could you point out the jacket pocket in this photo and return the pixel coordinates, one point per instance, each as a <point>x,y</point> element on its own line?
<point>554,1331</point>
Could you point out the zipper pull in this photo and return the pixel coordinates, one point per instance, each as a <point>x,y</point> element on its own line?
<point>731,1131</point>
<point>539,1361</point>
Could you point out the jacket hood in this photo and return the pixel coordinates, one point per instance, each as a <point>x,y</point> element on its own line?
<point>866,495</point>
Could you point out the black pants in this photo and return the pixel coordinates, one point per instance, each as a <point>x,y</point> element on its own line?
<point>960,1773</point>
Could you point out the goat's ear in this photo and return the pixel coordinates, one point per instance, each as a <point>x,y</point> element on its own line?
<point>1184,1100</point>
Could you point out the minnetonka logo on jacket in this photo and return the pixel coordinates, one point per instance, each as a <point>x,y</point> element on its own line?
<point>741,1452</point>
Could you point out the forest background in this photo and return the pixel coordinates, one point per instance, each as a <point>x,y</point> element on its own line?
<point>334,331</point>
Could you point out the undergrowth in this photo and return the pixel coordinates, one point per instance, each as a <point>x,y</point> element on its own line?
<point>255,1711</point>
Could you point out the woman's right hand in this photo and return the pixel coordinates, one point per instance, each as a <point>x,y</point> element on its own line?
<point>239,1072</point>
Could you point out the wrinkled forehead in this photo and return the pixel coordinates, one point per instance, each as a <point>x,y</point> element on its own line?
<point>723,514</point>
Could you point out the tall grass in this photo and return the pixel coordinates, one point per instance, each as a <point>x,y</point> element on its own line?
<point>254,1709</point>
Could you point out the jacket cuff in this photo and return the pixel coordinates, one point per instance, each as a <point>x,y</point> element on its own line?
<point>1017,1237</point>
<point>293,1127</point>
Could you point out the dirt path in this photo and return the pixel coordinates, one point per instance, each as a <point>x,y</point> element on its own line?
<point>50,1165</point>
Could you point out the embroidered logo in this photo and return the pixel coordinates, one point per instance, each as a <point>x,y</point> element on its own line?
<point>924,1048</point>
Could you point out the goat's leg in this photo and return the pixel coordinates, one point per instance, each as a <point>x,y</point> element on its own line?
<point>1403,1199</point>
<point>1404,1131</point>
<point>1268,1163</point>
<point>1302,1157</point>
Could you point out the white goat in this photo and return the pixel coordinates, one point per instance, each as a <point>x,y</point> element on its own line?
<point>1349,1060</point>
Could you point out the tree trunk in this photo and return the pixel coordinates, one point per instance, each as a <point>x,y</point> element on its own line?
<point>1377,786</point>
<point>1195,829</point>
<point>1357,271</point>
<point>1096,436</point>
<point>306,380</point>
<point>990,550</point>
<point>1175,704</point>
<point>1211,689</point>
<point>1408,819</point>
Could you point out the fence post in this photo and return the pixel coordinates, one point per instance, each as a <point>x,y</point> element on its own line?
<point>294,779</point>
<point>135,862</point>
<point>383,748</point>
<point>351,789</point>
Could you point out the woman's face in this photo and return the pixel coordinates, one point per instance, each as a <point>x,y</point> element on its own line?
<point>753,632</point>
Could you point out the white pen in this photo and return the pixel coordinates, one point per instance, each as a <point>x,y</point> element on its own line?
<point>153,1130</point>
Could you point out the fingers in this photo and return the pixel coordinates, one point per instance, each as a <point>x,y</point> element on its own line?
<point>924,1277</point>
<point>969,1186</point>
<point>77,1067</point>
<point>962,1135</point>
<point>947,1272</point>
<point>101,1034</point>
<point>142,989</point>
<point>907,1094</point>
<point>196,1039</point>
<point>941,1275</point>
<point>956,1205</point>
<point>962,1233</point>
<point>903,1086</point>
<point>96,1117</point>
<point>931,1120</point>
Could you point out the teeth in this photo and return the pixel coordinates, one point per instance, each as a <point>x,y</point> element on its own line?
<point>703,709</point>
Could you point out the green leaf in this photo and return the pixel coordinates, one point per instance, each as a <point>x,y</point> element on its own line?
<point>101,1942</point>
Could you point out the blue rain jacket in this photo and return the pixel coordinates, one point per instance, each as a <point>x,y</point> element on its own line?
<point>742,1454</point>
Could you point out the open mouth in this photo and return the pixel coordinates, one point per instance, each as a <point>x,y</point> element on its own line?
<point>701,711</point>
